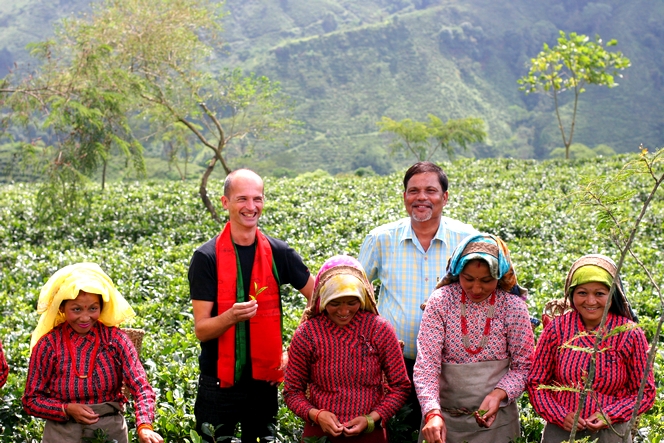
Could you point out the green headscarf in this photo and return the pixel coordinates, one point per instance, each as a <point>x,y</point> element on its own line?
<point>590,274</point>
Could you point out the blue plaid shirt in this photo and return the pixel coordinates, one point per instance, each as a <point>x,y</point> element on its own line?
<point>408,275</point>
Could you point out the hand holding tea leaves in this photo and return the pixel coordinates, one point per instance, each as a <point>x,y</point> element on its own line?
<point>486,413</point>
<point>479,414</point>
<point>597,421</point>
<point>257,291</point>
<point>328,422</point>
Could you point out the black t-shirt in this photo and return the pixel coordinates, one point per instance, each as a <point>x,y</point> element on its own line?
<point>203,285</point>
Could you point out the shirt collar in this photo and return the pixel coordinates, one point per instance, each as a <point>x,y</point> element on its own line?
<point>408,234</point>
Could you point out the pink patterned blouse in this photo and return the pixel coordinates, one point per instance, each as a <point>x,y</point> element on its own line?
<point>440,341</point>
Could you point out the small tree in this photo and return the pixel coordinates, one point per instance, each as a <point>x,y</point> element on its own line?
<point>424,139</point>
<point>571,65</point>
<point>149,61</point>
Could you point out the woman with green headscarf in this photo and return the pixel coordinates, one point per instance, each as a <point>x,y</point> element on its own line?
<point>591,284</point>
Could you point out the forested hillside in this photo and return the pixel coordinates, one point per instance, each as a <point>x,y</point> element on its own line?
<point>347,63</point>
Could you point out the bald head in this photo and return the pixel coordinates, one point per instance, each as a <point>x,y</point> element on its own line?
<point>244,176</point>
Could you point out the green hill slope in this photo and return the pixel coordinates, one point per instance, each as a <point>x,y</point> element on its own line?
<point>459,59</point>
<point>347,63</point>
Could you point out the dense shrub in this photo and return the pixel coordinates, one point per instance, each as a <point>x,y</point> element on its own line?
<point>143,235</point>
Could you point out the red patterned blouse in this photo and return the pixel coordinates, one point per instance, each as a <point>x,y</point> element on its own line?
<point>4,369</point>
<point>53,375</point>
<point>618,371</point>
<point>343,368</point>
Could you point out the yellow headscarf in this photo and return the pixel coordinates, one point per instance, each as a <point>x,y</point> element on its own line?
<point>342,285</point>
<point>66,284</point>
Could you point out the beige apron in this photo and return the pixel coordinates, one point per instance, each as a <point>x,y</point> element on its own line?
<point>555,434</point>
<point>464,387</point>
<point>110,419</point>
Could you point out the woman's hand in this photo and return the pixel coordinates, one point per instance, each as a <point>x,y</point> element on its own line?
<point>329,423</point>
<point>149,436</point>
<point>434,431</point>
<point>82,414</point>
<point>596,422</point>
<point>356,426</point>
<point>490,404</point>
<point>569,421</point>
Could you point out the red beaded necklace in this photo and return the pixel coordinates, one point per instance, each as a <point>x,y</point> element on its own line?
<point>487,325</point>
<point>72,354</point>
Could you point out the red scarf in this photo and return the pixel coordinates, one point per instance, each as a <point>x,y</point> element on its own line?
<point>266,346</point>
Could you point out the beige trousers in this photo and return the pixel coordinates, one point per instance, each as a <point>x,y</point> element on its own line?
<point>111,420</point>
<point>555,434</point>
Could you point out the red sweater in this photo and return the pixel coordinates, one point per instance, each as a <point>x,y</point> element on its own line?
<point>4,369</point>
<point>343,367</point>
<point>618,371</point>
<point>52,380</point>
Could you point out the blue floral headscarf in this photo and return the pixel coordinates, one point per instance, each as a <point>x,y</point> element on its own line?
<point>492,250</point>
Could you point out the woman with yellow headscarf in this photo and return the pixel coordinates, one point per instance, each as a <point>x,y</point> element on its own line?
<point>592,284</point>
<point>337,358</point>
<point>80,360</point>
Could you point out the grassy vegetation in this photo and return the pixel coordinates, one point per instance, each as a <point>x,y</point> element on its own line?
<point>143,235</point>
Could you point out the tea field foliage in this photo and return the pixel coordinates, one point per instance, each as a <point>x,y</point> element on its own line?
<point>143,235</point>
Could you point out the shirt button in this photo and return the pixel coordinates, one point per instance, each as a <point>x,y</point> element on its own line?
<point>426,258</point>
<point>426,278</point>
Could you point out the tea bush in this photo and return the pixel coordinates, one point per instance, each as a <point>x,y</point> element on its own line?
<point>143,235</point>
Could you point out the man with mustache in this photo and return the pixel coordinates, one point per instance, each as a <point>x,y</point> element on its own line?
<point>409,257</point>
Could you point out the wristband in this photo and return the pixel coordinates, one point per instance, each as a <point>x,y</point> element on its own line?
<point>317,414</point>
<point>370,424</point>
<point>64,410</point>
<point>144,426</point>
<point>433,414</point>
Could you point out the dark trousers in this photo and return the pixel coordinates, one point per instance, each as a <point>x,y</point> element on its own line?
<point>414,419</point>
<point>251,403</point>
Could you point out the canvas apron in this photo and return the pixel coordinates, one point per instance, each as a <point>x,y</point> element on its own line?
<point>110,419</point>
<point>555,434</point>
<point>464,386</point>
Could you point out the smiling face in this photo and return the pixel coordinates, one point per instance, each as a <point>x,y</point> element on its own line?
<point>424,197</point>
<point>342,310</point>
<point>589,300</point>
<point>244,201</point>
<point>476,280</point>
<point>82,312</point>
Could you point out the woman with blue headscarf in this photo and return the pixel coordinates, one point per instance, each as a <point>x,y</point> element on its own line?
<point>474,348</point>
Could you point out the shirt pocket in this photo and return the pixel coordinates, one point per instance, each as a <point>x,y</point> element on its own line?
<point>610,372</point>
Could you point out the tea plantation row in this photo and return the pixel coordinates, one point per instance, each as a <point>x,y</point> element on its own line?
<point>143,235</point>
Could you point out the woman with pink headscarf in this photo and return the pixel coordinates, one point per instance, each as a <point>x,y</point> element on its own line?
<point>347,357</point>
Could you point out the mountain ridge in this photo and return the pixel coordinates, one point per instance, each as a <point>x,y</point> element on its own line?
<point>346,64</point>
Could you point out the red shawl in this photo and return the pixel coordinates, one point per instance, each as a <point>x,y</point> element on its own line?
<point>266,345</point>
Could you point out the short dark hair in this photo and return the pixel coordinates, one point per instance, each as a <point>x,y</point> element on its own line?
<point>422,167</point>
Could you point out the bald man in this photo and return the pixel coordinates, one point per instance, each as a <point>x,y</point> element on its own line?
<point>234,282</point>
